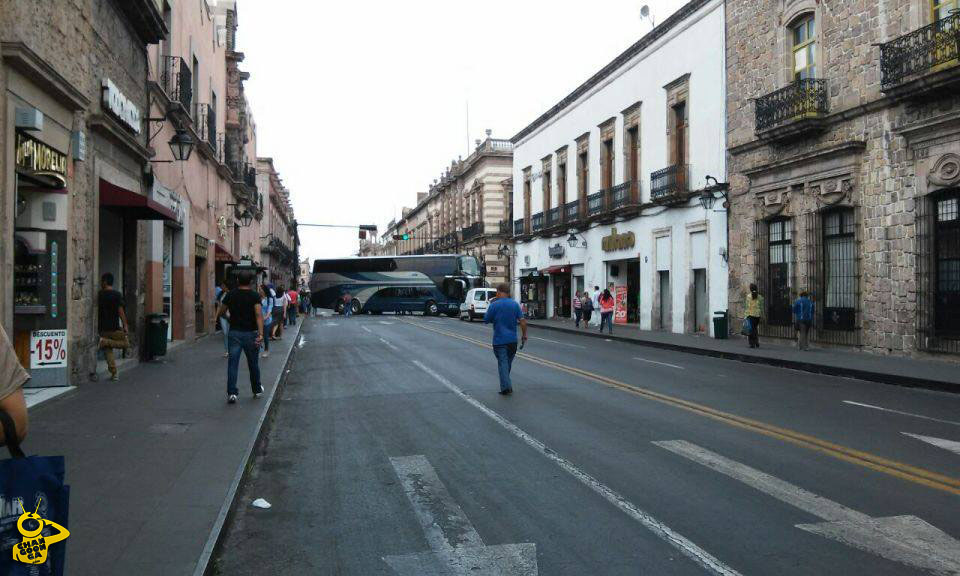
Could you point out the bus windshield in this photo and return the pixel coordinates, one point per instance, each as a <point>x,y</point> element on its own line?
<point>469,266</point>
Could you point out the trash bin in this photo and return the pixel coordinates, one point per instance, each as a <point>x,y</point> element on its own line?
<point>156,336</point>
<point>721,327</point>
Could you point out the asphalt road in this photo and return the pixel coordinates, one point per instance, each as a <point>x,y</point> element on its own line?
<point>392,453</point>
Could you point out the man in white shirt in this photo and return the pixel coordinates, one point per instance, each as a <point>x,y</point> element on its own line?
<point>595,296</point>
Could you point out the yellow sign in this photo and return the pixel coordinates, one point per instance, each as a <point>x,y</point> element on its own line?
<point>32,549</point>
<point>35,156</point>
<point>617,241</point>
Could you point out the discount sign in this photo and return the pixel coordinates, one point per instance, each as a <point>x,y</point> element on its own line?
<point>48,349</point>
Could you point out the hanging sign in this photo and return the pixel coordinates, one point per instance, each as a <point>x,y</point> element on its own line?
<point>48,349</point>
<point>556,251</point>
<point>620,305</point>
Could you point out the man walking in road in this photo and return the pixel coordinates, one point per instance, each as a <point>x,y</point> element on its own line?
<point>246,333</point>
<point>112,323</point>
<point>504,313</point>
<point>347,304</point>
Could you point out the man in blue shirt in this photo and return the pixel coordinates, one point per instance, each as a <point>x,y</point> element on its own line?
<point>504,313</point>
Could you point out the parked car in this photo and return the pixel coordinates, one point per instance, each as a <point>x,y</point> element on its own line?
<point>475,304</point>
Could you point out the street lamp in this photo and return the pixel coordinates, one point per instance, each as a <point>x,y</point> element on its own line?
<point>707,197</point>
<point>181,145</point>
<point>575,242</point>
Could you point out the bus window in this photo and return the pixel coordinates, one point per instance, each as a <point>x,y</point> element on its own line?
<point>469,266</point>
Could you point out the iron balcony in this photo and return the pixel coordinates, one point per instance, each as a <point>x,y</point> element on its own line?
<point>797,107</point>
<point>924,59</point>
<point>670,184</point>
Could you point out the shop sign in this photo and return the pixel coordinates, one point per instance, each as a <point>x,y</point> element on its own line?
<point>615,241</point>
<point>202,246</point>
<point>556,251</point>
<point>33,156</point>
<point>120,106</point>
<point>48,349</point>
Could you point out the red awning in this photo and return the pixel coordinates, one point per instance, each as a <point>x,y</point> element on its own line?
<point>131,204</point>
<point>221,254</point>
<point>556,270</point>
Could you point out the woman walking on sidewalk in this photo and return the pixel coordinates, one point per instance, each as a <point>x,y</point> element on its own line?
<point>224,321</point>
<point>577,309</point>
<point>753,312</point>
<point>607,304</point>
<point>266,307</point>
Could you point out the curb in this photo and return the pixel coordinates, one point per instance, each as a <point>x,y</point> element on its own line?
<point>214,540</point>
<point>868,375</point>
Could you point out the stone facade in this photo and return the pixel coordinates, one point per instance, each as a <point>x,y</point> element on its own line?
<point>872,143</point>
<point>466,211</point>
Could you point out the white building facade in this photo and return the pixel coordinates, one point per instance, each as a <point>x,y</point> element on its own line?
<point>608,184</point>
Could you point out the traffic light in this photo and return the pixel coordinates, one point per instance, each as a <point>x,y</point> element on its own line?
<point>402,236</point>
<point>407,236</point>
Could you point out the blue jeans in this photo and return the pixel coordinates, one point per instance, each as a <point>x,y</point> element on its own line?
<point>292,315</point>
<point>505,354</point>
<point>225,328</point>
<point>245,342</point>
<point>606,318</point>
<point>348,308</point>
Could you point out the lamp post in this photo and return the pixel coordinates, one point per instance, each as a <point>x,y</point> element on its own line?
<point>708,198</point>
<point>574,242</point>
<point>181,145</point>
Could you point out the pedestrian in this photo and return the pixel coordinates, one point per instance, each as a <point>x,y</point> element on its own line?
<point>292,307</point>
<point>753,313</point>
<point>586,309</point>
<point>266,309</point>
<point>595,298</point>
<point>12,378</point>
<point>803,316</point>
<point>246,333</point>
<point>347,304</point>
<point>577,309</point>
<point>279,312</point>
<point>224,320</point>
<point>504,313</point>
<point>607,304</point>
<point>111,323</point>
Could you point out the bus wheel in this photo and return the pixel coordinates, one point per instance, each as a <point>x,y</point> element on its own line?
<point>354,307</point>
<point>338,308</point>
<point>431,309</point>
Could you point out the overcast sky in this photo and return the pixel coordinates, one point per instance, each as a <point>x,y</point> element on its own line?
<point>362,104</point>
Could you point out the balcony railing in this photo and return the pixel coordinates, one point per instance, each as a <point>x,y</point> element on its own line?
<point>472,231</point>
<point>620,196</point>
<point>205,122</point>
<point>571,211</point>
<point>505,227</point>
<point>669,182</point>
<point>536,222</point>
<point>805,98</point>
<point>518,227</point>
<point>249,174</point>
<point>176,80</point>
<point>595,203</point>
<point>921,50</point>
<point>554,217</point>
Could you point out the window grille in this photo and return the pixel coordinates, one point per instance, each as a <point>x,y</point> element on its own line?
<point>834,269</point>
<point>776,276</point>
<point>938,272</point>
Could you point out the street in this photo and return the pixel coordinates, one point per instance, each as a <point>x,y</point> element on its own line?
<point>390,452</point>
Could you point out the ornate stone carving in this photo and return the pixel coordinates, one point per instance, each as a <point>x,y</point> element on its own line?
<point>833,192</point>
<point>946,171</point>
<point>774,203</point>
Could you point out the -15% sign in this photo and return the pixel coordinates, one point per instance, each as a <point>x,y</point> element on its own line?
<point>48,349</point>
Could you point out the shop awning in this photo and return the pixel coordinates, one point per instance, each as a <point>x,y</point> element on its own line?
<point>556,270</point>
<point>222,254</point>
<point>133,205</point>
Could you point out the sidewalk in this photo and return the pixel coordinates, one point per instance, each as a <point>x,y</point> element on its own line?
<point>901,371</point>
<point>153,461</point>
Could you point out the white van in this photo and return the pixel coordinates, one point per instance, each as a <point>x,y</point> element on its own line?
<point>475,304</point>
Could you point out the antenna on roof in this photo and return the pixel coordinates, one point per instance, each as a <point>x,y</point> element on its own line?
<point>645,15</point>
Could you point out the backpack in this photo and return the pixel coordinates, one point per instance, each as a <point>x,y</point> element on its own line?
<point>587,305</point>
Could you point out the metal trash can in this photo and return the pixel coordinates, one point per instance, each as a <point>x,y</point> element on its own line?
<point>721,325</point>
<point>156,336</point>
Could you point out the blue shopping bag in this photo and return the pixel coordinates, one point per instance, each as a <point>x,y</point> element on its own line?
<point>33,511</point>
<point>747,327</point>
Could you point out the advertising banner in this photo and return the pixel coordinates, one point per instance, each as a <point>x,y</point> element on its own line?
<point>620,309</point>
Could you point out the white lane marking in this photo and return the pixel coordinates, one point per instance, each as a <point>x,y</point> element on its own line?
<point>905,539</point>
<point>385,322</point>
<point>330,324</point>
<point>660,363</point>
<point>365,329</point>
<point>661,530</point>
<point>455,544</point>
<point>389,345</point>
<point>951,445</point>
<point>901,412</point>
<point>557,342</point>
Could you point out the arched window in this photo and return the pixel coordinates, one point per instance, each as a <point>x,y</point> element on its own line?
<point>941,8</point>
<point>803,33</point>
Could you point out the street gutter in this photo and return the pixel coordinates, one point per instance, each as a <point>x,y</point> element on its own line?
<point>205,564</point>
<point>812,367</point>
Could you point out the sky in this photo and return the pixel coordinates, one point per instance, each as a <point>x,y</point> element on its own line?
<point>362,103</point>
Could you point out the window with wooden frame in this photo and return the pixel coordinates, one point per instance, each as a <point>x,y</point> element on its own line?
<point>562,182</point>
<point>631,150</point>
<point>526,199</point>
<point>546,187</point>
<point>803,33</point>
<point>583,170</point>
<point>607,131</point>
<point>678,126</point>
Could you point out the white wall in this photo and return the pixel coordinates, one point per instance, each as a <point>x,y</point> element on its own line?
<point>694,47</point>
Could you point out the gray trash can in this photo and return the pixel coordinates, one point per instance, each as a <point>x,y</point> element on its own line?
<point>721,325</point>
<point>156,336</point>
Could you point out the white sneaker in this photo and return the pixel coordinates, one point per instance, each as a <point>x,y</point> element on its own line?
<point>226,354</point>
<point>265,355</point>
<point>232,399</point>
<point>258,392</point>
